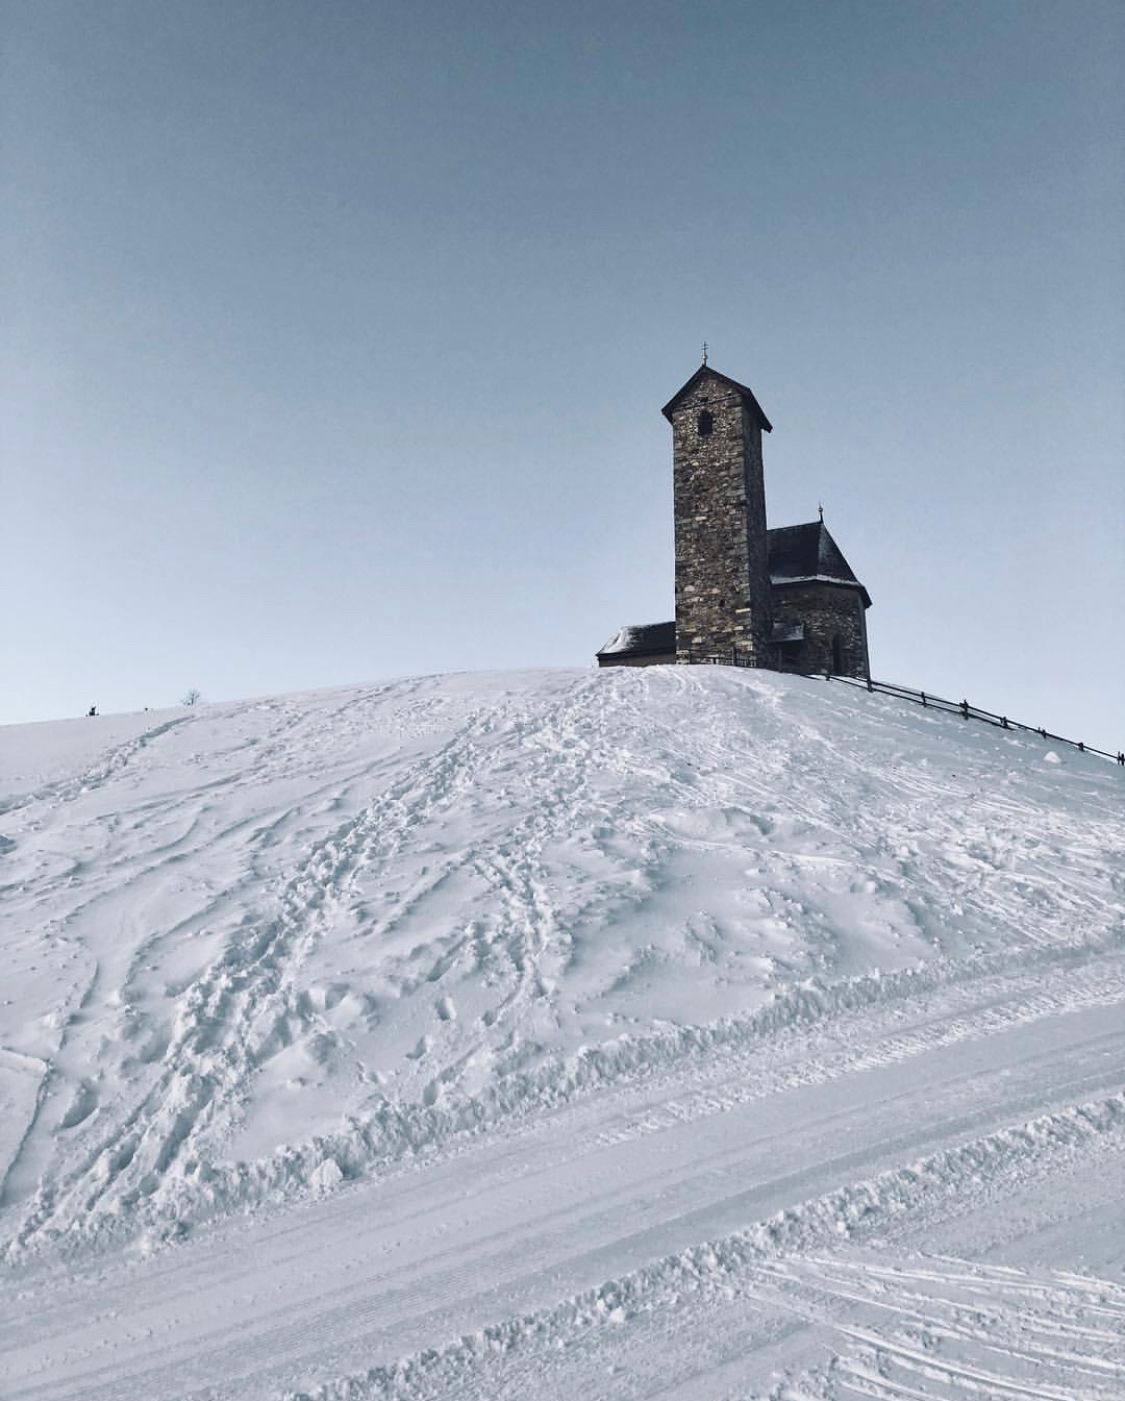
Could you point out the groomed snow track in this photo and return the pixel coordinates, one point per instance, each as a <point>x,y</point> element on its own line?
<point>689,1033</point>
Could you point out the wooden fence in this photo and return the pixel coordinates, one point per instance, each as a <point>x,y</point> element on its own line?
<point>923,698</point>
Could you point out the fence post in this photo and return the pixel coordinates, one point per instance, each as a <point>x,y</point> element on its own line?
<point>1081,747</point>
<point>1004,722</point>
<point>923,695</point>
<point>869,685</point>
<point>964,709</point>
<point>1121,760</point>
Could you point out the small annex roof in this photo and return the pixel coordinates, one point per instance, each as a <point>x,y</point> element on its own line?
<point>643,640</point>
<point>805,554</point>
<point>705,370</point>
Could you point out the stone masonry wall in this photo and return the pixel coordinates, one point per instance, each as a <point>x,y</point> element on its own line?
<point>827,611</point>
<point>722,584</point>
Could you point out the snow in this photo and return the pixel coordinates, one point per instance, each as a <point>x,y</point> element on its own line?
<point>813,579</point>
<point>621,641</point>
<point>697,1032</point>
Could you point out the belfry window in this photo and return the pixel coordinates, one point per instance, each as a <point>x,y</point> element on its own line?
<point>704,423</point>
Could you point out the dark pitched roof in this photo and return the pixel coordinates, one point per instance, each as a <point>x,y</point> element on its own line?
<point>705,370</point>
<point>806,553</point>
<point>645,640</point>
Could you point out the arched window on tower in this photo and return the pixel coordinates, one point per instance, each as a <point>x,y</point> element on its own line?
<point>704,423</point>
<point>837,655</point>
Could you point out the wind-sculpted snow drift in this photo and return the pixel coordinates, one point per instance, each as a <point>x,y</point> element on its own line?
<point>630,962</point>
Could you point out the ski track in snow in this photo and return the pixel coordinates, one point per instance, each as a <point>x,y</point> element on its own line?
<point>1087,1340</point>
<point>478,936</point>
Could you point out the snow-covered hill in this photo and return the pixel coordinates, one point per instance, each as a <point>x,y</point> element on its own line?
<point>691,1032</point>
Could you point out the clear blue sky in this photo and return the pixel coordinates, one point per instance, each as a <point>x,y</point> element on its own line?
<point>337,333</point>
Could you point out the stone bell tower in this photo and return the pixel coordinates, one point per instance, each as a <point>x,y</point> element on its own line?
<point>722,558</point>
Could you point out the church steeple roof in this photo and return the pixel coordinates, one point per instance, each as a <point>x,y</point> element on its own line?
<point>706,370</point>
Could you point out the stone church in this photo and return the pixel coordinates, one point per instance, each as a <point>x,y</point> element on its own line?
<point>746,595</point>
